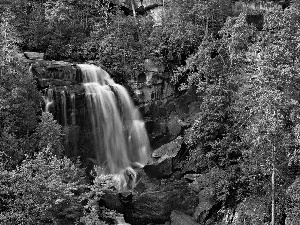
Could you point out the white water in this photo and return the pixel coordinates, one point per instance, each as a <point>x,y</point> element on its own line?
<point>119,134</point>
<point>48,99</point>
<point>63,107</point>
<point>73,113</point>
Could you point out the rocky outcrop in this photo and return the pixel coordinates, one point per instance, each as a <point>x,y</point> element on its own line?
<point>166,112</point>
<point>63,80</point>
<point>162,161</point>
<point>153,201</point>
<point>179,218</point>
<point>139,5</point>
<point>168,118</point>
<point>34,55</point>
<point>156,206</point>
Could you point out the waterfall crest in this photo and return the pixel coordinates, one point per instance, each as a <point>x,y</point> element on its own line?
<point>119,133</point>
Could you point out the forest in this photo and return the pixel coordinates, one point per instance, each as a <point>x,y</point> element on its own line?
<point>242,57</point>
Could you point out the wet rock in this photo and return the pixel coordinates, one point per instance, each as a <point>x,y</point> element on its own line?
<point>161,164</point>
<point>152,201</point>
<point>57,71</point>
<point>145,183</point>
<point>155,206</point>
<point>179,218</point>
<point>112,200</point>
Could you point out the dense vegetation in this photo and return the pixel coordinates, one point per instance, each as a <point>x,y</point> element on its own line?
<point>245,139</point>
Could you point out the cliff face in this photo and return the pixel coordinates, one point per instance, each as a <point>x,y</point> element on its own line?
<point>141,7</point>
<point>165,112</point>
<point>63,81</point>
<point>147,4</point>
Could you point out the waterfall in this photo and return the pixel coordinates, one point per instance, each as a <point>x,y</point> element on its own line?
<point>64,121</point>
<point>63,108</point>
<point>73,114</point>
<point>48,99</point>
<point>73,134</point>
<point>119,134</point>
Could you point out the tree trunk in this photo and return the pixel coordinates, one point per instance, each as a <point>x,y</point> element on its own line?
<point>273,186</point>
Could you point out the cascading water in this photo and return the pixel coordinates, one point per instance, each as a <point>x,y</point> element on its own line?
<point>63,107</point>
<point>74,129</point>
<point>73,115</point>
<point>118,130</point>
<point>48,99</point>
<point>64,121</point>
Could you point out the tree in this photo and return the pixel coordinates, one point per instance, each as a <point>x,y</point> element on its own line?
<point>258,71</point>
<point>48,133</point>
<point>268,101</point>
<point>123,44</point>
<point>184,25</point>
<point>93,212</point>
<point>41,190</point>
<point>19,98</point>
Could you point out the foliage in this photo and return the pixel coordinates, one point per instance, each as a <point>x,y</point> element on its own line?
<point>58,28</point>
<point>93,213</point>
<point>293,203</point>
<point>41,190</point>
<point>124,47</point>
<point>247,125</point>
<point>250,102</point>
<point>19,98</point>
<point>268,97</point>
<point>184,24</point>
<point>49,133</point>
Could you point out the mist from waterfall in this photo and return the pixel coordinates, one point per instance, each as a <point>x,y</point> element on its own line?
<point>119,134</point>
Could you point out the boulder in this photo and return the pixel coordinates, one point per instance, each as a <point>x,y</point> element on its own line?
<point>206,205</point>
<point>112,200</point>
<point>34,55</point>
<point>161,163</point>
<point>174,125</point>
<point>152,201</point>
<point>155,206</point>
<point>179,218</point>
